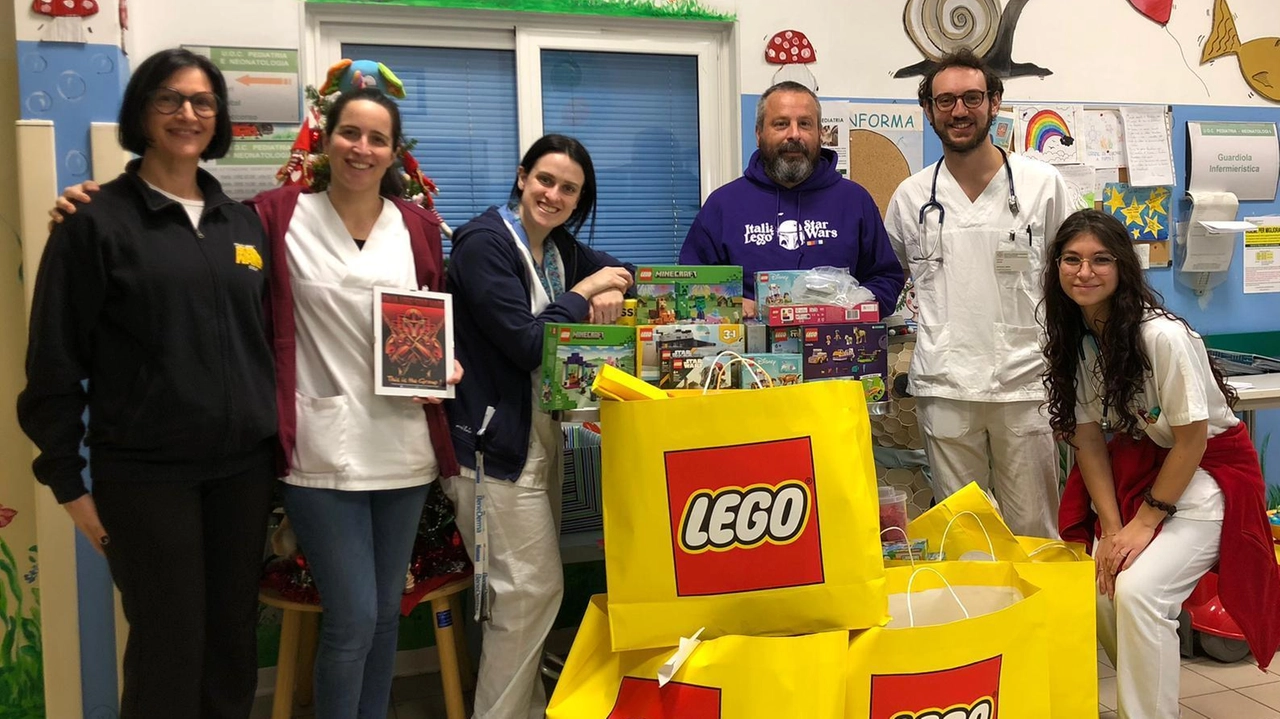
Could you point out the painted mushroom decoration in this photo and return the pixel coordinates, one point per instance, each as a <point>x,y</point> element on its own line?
<point>792,50</point>
<point>67,18</point>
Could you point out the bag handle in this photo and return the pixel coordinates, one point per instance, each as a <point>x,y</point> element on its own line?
<point>735,358</point>
<point>1054,544</point>
<point>910,554</point>
<point>911,614</point>
<point>990,544</point>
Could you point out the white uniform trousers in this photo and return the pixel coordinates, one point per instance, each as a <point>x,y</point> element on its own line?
<point>527,582</point>
<point>965,441</point>
<point>1139,628</point>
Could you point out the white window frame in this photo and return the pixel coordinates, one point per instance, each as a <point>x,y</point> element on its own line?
<point>329,27</point>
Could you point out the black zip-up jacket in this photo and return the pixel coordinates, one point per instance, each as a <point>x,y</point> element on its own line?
<point>167,324</point>
<point>499,341</point>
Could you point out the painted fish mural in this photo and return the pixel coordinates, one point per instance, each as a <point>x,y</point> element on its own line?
<point>1259,59</point>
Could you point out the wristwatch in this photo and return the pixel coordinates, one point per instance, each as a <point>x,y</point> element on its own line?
<point>1169,509</point>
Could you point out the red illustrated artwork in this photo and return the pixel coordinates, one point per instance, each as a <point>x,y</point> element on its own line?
<point>415,343</point>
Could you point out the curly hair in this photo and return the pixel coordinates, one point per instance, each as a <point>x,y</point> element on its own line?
<point>1123,363</point>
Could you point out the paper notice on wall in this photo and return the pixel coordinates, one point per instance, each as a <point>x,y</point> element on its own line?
<point>1143,250</point>
<point>1208,246</point>
<point>886,145</point>
<point>1081,182</point>
<point>1148,149</point>
<point>1103,135</point>
<point>834,133</point>
<point>1262,256</point>
<point>1238,157</point>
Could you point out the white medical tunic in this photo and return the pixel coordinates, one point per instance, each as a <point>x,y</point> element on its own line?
<point>978,278</point>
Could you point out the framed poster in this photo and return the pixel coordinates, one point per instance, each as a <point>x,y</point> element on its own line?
<point>413,342</point>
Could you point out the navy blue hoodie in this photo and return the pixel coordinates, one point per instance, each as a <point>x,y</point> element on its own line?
<point>499,340</point>
<point>824,221</point>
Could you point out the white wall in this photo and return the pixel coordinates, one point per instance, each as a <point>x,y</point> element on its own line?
<point>102,28</point>
<point>1099,50</point>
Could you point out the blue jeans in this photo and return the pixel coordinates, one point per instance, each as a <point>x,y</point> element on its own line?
<point>358,545</point>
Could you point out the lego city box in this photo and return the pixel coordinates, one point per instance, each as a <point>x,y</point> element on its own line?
<point>667,294</point>
<point>846,351</point>
<point>573,354</point>
<point>686,353</point>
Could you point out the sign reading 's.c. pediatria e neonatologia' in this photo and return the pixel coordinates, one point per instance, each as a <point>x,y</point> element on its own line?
<point>262,83</point>
<point>1238,157</point>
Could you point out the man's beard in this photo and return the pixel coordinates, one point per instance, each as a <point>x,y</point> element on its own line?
<point>787,171</point>
<point>981,131</point>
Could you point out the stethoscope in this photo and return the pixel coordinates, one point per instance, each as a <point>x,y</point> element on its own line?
<point>933,204</point>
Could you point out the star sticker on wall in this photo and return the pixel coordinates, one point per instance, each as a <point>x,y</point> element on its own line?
<point>1133,213</point>
<point>1155,203</point>
<point>1115,201</point>
<point>1154,226</point>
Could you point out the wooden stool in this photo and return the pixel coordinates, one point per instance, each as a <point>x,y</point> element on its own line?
<point>298,637</point>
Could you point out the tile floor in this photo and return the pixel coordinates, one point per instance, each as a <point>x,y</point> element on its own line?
<point>416,697</point>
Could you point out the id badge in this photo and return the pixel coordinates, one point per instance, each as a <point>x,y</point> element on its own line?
<point>1013,259</point>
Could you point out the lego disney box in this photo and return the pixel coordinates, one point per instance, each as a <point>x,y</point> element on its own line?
<point>710,294</point>
<point>848,351</point>
<point>572,355</point>
<point>686,352</point>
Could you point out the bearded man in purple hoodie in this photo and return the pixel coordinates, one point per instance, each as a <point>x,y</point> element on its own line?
<point>791,210</point>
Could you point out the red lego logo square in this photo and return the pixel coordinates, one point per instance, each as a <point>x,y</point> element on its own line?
<point>644,699</point>
<point>744,517</point>
<point>968,692</point>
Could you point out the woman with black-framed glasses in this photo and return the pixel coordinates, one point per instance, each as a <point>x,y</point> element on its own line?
<point>1177,490</point>
<point>149,311</point>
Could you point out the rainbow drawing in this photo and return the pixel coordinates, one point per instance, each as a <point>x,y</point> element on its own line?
<point>1042,126</point>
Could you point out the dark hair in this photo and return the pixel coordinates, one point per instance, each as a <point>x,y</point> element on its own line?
<point>392,183</point>
<point>963,57</point>
<point>784,86</point>
<point>563,144</point>
<point>148,77</point>
<point>1123,362</point>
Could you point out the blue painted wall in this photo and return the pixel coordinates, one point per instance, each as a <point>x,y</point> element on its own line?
<point>74,85</point>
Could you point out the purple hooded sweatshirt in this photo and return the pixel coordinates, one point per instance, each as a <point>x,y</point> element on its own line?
<point>824,221</point>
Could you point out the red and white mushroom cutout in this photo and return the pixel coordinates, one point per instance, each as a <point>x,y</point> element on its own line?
<point>66,18</point>
<point>792,50</point>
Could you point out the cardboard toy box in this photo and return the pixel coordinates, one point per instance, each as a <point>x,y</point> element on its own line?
<point>847,351</point>
<point>689,293</point>
<point>647,353</point>
<point>787,315</point>
<point>572,355</point>
<point>786,340</point>
<point>777,287</point>
<point>781,369</point>
<point>686,352</point>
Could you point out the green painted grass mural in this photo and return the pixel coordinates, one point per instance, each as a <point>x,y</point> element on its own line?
<point>21,666</point>
<point>673,9</point>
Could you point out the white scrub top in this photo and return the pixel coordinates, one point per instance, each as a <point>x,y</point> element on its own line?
<point>1181,387</point>
<point>348,437</point>
<point>978,278</point>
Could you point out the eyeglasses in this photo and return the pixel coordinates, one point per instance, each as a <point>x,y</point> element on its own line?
<point>168,101</point>
<point>972,98</point>
<point>1101,264</point>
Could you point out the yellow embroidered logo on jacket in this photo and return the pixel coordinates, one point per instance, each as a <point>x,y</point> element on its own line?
<point>248,255</point>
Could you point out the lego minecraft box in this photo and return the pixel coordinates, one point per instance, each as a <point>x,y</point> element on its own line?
<point>572,355</point>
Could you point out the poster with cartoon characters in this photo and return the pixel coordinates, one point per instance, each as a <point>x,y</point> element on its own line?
<point>413,343</point>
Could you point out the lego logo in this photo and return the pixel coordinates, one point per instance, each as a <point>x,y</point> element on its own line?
<point>810,335</point>
<point>981,709</point>
<point>646,334</point>
<point>645,274</point>
<point>762,277</point>
<point>566,334</point>
<point>745,517</point>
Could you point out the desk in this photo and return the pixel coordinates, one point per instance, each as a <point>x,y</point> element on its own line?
<point>1263,394</point>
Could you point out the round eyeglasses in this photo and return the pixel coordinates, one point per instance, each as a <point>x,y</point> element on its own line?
<point>1101,264</point>
<point>168,101</point>
<point>972,98</point>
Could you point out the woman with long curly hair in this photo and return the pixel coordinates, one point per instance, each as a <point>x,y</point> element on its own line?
<point>1177,490</point>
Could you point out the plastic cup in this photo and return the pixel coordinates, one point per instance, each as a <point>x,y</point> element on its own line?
<point>893,513</point>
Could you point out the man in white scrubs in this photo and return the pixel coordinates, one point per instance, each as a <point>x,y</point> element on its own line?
<point>972,230</point>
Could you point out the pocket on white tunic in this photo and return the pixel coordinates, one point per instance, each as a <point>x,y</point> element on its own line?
<point>322,435</point>
<point>1019,360</point>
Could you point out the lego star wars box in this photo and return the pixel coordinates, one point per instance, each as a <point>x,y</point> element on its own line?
<point>710,294</point>
<point>572,355</point>
<point>686,353</point>
<point>847,351</point>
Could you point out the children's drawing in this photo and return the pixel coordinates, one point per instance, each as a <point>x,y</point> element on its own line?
<point>938,27</point>
<point>1049,133</point>
<point>1259,59</point>
<point>1103,132</point>
<point>1144,211</point>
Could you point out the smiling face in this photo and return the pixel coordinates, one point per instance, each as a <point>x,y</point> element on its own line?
<point>1092,283</point>
<point>789,137</point>
<point>961,128</point>
<point>182,135</point>
<point>549,192</point>
<point>361,147</point>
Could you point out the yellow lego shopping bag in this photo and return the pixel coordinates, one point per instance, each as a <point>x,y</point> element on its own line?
<point>751,513</point>
<point>968,640</point>
<point>968,522</point>
<point>732,677</point>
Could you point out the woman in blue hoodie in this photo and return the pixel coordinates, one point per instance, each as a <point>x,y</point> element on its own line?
<point>514,269</point>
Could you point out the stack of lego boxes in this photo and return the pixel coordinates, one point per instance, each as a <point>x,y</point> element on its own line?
<point>685,316</point>
<point>828,341</point>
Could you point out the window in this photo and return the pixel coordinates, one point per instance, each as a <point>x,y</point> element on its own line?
<point>658,115</point>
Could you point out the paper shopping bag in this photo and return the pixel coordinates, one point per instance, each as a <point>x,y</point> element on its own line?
<point>933,661</point>
<point>970,525</point>
<point>1065,574</point>
<point>731,677</point>
<point>746,512</point>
